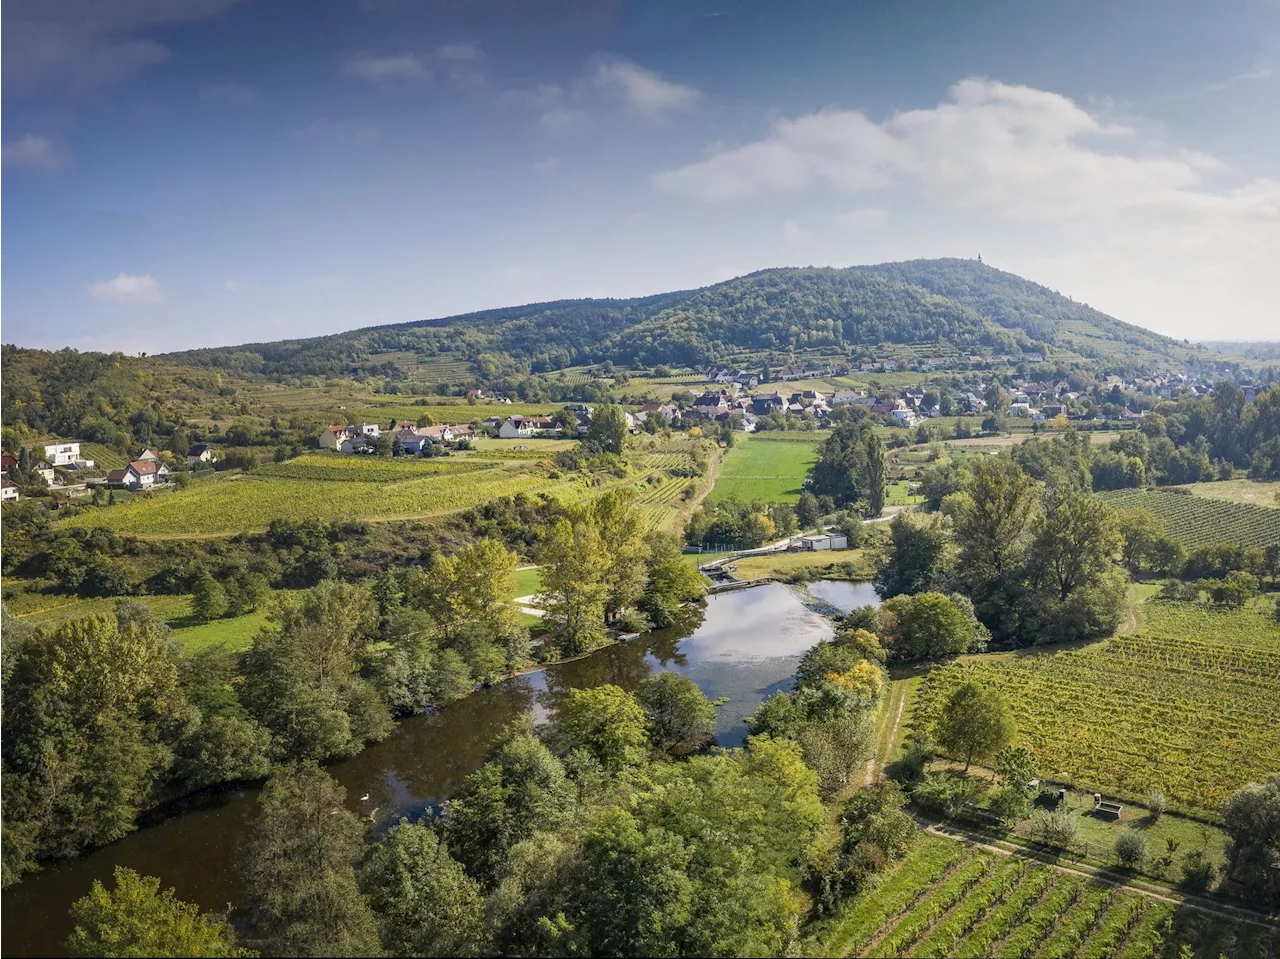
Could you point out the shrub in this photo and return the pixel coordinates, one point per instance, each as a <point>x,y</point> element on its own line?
<point>1057,828</point>
<point>1130,848</point>
<point>1157,803</point>
<point>1198,871</point>
<point>942,794</point>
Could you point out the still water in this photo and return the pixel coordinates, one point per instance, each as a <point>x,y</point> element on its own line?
<point>743,648</point>
<point>844,596</point>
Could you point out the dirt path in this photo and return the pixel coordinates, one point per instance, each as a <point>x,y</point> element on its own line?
<point>1197,903</point>
<point>884,745</point>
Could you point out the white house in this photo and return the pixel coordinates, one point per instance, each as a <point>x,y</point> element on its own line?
<point>522,427</point>
<point>1019,409</point>
<point>140,474</point>
<point>904,417</point>
<point>149,454</point>
<point>8,491</point>
<point>200,453</point>
<point>333,436</point>
<point>62,454</point>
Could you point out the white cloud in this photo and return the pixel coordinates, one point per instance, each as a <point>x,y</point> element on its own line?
<point>562,119</point>
<point>78,46</point>
<point>458,64</point>
<point>34,153</point>
<point>549,165</point>
<point>646,92</point>
<point>127,289</point>
<point>793,232</point>
<point>863,218</point>
<point>231,94</point>
<point>398,66</point>
<point>1120,212</point>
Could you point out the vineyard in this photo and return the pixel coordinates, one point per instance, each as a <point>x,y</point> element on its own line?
<point>1198,521</point>
<point>1188,706</point>
<point>228,503</point>
<point>367,469</point>
<point>949,899</point>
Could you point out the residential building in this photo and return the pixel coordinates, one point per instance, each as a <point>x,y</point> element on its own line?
<point>62,454</point>
<point>200,453</point>
<point>668,412</point>
<point>149,454</point>
<point>140,474</point>
<point>8,491</point>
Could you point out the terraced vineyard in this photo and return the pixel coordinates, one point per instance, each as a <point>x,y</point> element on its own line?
<point>659,503</point>
<point>1188,705</point>
<point>1198,521</point>
<point>949,899</point>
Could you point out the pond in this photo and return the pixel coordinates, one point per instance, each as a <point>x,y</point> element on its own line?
<point>743,648</point>
<point>844,596</point>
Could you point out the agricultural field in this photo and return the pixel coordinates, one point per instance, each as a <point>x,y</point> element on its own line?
<point>344,468</point>
<point>946,898</point>
<point>898,493</point>
<point>1199,521</point>
<point>767,466</point>
<point>102,457</point>
<point>1251,492</point>
<point>236,632</point>
<point>1188,704</point>
<point>233,503</point>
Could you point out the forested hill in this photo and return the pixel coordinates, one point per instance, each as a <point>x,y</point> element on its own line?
<point>958,304</point>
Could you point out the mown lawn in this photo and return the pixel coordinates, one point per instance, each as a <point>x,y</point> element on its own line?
<point>772,470</point>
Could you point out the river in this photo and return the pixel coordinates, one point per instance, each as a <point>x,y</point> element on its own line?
<point>743,648</point>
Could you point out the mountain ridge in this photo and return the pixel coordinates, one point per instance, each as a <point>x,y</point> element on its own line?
<point>961,303</point>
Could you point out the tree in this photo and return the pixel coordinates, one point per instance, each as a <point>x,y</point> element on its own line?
<point>92,711</point>
<point>914,558</point>
<point>680,718</point>
<point>425,903</point>
<point>300,868</point>
<point>608,429</point>
<point>975,723</point>
<point>808,510</point>
<point>623,550</point>
<point>522,789</point>
<point>574,590</point>
<point>876,475</point>
<point>671,581</point>
<point>992,521</point>
<point>842,470</point>
<point>208,598</point>
<point>930,625</point>
<point>137,919</point>
<point>607,722</point>
<point>1141,531</point>
<point>1130,848</point>
<point>1252,820</point>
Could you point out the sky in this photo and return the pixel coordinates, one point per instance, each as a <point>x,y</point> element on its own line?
<point>183,173</point>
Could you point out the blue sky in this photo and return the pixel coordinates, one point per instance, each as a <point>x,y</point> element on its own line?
<point>184,173</point>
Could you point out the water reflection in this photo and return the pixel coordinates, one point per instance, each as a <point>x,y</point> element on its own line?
<point>844,596</point>
<point>742,647</point>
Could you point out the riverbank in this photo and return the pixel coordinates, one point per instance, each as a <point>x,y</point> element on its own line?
<point>425,759</point>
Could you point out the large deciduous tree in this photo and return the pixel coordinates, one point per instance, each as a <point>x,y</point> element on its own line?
<point>975,723</point>
<point>137,918</point>
<point>300,869</point>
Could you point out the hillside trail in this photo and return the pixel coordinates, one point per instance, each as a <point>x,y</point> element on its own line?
<point>884,747</point>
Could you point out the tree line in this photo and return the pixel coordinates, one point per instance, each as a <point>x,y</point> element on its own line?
<point>609,831</point>
<point>105,716</point>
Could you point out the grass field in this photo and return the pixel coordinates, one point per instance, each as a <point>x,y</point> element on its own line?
<point>1240,491</point>
<point>236,632</point>
<point>1198,521</point>
<point>783,564</point>
<point>233,503</point>
<point>769,469</point>
<point>945,898</point>
<point>1187,705</point>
